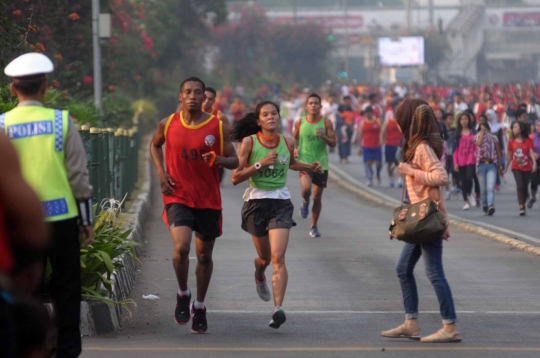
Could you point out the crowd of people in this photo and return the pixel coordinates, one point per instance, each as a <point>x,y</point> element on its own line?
<point>478,122</point>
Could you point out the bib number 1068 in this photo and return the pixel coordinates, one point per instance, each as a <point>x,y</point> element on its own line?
<point>272,173</point>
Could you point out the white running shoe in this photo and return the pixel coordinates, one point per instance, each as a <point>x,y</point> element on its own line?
<point>466,206</point>
<point>472,200</point>
<point>262,290</point>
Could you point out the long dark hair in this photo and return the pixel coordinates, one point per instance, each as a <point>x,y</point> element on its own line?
<point>460,127</point>
<point>247,125</point>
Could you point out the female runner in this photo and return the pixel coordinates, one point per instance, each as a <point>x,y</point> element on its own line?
<point>265,157</point>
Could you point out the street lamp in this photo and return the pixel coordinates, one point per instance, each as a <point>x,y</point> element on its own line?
<point>101,28</point>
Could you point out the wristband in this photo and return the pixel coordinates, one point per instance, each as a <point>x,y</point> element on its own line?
<point>86,212</point>
<point>212,158</point>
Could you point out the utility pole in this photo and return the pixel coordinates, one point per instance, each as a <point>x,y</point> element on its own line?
<point>408,15</point>
<point>97,55</point>
<point>431,14</point>
<point>348,38</point>
<point>295,12</point>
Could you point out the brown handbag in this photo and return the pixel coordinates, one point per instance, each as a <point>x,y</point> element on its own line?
<point>418,223</point>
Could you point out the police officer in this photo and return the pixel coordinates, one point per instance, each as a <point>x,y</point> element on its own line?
<point>53,162</point>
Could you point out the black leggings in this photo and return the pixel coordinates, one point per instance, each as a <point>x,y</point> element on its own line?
<point>535,177</point>
<point>466,176</point>
<point>522,182</point>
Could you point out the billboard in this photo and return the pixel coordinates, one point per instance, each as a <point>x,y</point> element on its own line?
<point>402,51</point>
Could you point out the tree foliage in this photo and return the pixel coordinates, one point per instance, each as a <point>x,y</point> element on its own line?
<point>251,48</point>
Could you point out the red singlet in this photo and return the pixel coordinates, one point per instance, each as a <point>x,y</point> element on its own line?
<point>196,184</point>
<point>393,133</point>
<point>371,133</point>
<point>6,258</point>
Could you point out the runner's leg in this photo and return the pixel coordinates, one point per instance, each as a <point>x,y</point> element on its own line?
<point>262,245</point>
<point>306,183</point>
<point>205,266</point>
<point>317,205</point>
<point>279,239</point>
<point>181,237</point>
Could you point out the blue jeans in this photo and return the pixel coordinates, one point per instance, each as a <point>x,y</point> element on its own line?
<point>435,273</point>
<point>487,175</point>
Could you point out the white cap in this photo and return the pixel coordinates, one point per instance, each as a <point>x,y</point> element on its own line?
<point>29,64</point>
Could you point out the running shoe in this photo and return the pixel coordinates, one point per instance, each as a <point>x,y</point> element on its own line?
<point>531,203</point>
<point>262,289</point>
<point>522,212</point>
<point>198,324</point>
<point>314,232</point>
<point>466,206</point>
<point>278,318</point>
<point>485,210</point>
<point>304,210</point>
<point>491,210</point>
<point>181,312</point>
<point>472,200</point>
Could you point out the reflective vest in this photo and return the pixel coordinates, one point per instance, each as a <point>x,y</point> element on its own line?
<point>39,134</point>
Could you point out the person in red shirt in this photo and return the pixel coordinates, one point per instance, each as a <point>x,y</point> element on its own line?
<point>369,133</point>
<point>521,155</point>
<point>391,136</point>
<point>196,143</point>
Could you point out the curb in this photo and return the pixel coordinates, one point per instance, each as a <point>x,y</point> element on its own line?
<point>96,316</point>
<point>346,181</point>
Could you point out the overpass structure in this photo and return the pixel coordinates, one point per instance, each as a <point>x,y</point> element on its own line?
<point>486,42</point>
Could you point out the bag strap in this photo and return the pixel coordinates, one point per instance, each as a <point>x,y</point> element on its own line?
<point>403,190</point>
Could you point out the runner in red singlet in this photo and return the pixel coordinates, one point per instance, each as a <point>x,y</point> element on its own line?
<point>390,136</point>
<point>369,132</point>
<point>196,144</point>
<point>208,107</point>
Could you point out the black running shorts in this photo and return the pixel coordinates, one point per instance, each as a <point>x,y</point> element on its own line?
<point>205,222</point>
<point>317,178</point>
<point>261,215</point>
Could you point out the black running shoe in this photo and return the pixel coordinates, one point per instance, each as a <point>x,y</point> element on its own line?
<point>278,318</point>
<point>181,313</point>
<point>198,324</point>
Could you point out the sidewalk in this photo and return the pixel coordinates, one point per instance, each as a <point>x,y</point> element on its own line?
<point>505,221</point>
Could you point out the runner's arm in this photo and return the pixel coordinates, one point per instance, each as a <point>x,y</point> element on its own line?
<point>298,165</point>
<point>296,131</point>
<point>226,123</point>
<point>360,133</point>
<point>156,146</point>
<point>156,151</point>
<point>243,172</point>
<point>229,159</point>
<point>330,136</point>
<point>382,138</point>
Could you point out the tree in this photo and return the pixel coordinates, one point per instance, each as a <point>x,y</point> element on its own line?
<point>300,52</point>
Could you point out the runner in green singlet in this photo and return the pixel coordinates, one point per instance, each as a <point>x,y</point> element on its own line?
<point>265,157</point>
<point>313,133</point>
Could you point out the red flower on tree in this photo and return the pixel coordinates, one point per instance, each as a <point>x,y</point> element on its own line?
<point>74,16</point>
<point>88,80</point>
<point>17,12</point>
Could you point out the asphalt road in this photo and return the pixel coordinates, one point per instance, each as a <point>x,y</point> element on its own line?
<point>342,292</point>
<point>506,219</point>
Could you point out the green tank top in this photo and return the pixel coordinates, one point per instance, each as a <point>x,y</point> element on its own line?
<point>270,178</point>
<point>312,148</point>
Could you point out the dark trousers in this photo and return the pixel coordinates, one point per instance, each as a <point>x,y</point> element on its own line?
<point>466,176</point>
<point>522,182</point>
<point>65,286</point>
<point>535,177</point>
<point>7,333</point>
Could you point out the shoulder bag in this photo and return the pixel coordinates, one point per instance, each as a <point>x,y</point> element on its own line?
<point>418,223</point>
